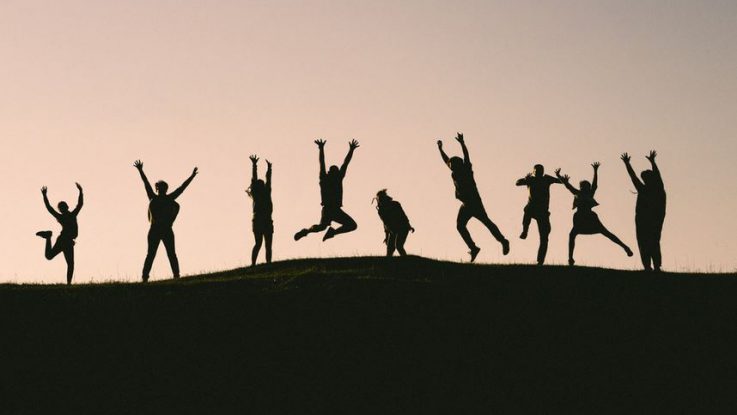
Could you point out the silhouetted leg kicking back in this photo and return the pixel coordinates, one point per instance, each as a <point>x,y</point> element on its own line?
<point>331,192</point>
<point>585,220</point>
<point>162,212</point>
<point>650,211</point>
<point>468,194</point>
<point>396,223</point>
<point>538,207</point>
<point>69,231</point>
<point>263,225</point>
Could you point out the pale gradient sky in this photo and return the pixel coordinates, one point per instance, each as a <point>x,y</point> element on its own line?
<point>89,86</point>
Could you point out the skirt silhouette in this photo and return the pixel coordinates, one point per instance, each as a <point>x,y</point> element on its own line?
<point>587,222</point>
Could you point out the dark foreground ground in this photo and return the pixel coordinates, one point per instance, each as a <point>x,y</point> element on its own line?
<point>372,335</point>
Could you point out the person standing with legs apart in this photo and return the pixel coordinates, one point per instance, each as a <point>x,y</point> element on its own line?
<point>162,212</point>
<point>69,231</point>
<point>396,223</point>
<point>263,225</point>
<point>467,192</point>
<point>585,220</point>
<point>650,211</point>
<point>538,207</point>
<point>331,192</point>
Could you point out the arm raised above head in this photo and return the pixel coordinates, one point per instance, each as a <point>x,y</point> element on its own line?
<point>254,167</point>
<point>51,210</point>
<point>175,194</point>
<point>656,170</point>
<point>321,146</point>
<point>80,199</point>
<point>352,146</point>
<point>631,172</point>
<point>565,179</point>
<point>595,182</point>
<point>149,191</point>
<point>444,156</point>
<point>268,174</point>
<point>466,156</point>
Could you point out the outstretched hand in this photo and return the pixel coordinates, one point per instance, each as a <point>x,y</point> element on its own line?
<point>565,178</point>
<point>268,163</point>
<point>459,137</point>
<point>652,156</point>
<point>596,165</point>
<point>353,144</point>
<point>626,158</point>
<point>44,190</point>
<point>254,158</point>
<point>440,144</point>
<point>79,187</point>
<point>138,164</point>
<point>195,171</point>
<point>320,142</point>
<point>557,172</point>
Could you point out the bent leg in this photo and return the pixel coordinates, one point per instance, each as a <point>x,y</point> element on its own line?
<point>401,239</point>
<point>526,221</point>
<point>52,252</point>
<point>464,215</point>
<point>171,252</point>
<point>347,223</point>
<point>484,218</point>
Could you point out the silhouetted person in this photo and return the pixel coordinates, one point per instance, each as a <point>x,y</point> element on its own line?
<point>650,211</point>
<point>263,225</point>
<point>162,212</point>
<point>468,194</point>
<point>538,207</point>
<point>69,231</point>
<point>396,223</point>
<point>331,192</point>
<point>585,220</point>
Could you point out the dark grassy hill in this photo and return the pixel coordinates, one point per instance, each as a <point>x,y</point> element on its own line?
<point>374,335</point>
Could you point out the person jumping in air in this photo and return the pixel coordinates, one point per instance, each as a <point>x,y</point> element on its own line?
<point>69,231</point>
<point>162,212</point>
<point>331,192</point>
<point>585,220</point>
<point>263,225</point>
<point>468,194</point>
<point>650,211</point>
<point>538,207</point>
<point>396,223</point>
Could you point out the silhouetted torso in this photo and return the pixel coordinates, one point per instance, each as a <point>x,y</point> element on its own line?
<point>262,204</point>
<point>651,201</point>
<point>331,190</point>
<point>393,216</point>
<point>69,227</point>
<point>162,211</point>
<point>540,191</point>
<point>465,184</point>
<point>584,201</point>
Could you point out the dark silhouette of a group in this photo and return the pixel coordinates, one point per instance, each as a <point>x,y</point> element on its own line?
<point>163,210</point>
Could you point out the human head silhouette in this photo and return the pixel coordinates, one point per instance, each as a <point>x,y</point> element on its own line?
<point>455,163</point>
<point>647,177</point>
<point>162,187</point>
<point>63,207</point>
<point>585,186</point>
<point>381,196</point>
<point>334,170</point>
<point>539,170</point>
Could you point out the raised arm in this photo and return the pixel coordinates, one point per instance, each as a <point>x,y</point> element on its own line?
<point>80,199</point>
<point>633,176</point>
<point>595,182</point>
<point>656,170</point>
<point>51,210</point>
<point>445,157</point>
<point>352,146</point>
<point>254,171</point>
<point>321,145</point>
<point>175,194</point>
<point>565,179</point>
<point>268,174</point>
<point>466,157</point>
<point>525,180</point>
<point>149,191</point>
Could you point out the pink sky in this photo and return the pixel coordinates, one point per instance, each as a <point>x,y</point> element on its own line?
<point>89,86</point>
